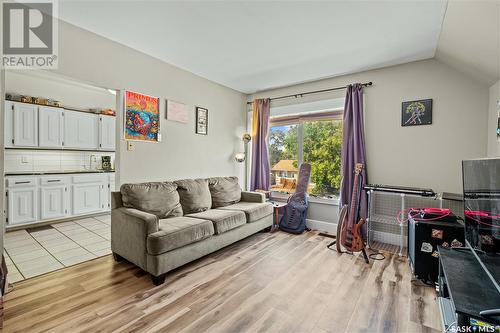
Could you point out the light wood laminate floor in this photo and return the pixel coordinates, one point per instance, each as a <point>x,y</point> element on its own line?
<point>265,283</point>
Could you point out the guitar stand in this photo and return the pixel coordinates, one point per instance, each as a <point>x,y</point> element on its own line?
<point>363,251</point>
<point>332,243</point>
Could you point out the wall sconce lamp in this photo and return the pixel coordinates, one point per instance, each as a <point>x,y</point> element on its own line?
<point>240,157</point>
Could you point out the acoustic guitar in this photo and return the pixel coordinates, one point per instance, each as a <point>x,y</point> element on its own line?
<point>349,229</point>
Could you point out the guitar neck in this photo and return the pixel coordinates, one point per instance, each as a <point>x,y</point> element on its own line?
<point>354,201</point>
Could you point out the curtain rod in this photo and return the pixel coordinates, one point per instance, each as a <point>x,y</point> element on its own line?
<point>367,84</point>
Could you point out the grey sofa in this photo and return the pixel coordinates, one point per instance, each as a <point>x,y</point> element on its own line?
<point>163,225</point>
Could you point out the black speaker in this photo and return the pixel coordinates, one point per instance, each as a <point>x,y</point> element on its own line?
<point>423,240</point>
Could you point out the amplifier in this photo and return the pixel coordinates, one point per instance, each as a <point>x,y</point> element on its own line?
<point>423,239</point>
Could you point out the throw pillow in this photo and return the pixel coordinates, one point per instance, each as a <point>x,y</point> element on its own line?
<point>194,194</point>
<point>160,199</point>
<point>225,191</point>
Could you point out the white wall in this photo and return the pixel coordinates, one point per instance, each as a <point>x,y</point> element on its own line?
<point>494,109</point>
<point>422,156</point>
<point>95,60</point>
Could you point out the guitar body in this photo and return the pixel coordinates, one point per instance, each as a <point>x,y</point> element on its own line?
<point>357,243</point>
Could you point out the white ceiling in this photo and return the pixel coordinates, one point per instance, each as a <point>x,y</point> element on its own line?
<point>470,39</point>
<point>256,45</point>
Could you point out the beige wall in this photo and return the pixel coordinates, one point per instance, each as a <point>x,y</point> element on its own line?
<point>98,61</point>
<point>422,156</point>
<point>494,109</point>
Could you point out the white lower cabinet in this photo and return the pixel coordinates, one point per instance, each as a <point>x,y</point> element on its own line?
<point>52,202</point>
<point>53,197</point>
<point>86,198</point>
<point>42,198</point>
<point>22,206</point>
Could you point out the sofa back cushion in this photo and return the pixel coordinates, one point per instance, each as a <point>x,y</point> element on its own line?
<point>195,195</point>
<point>160,199</point>
<point>225,191</point>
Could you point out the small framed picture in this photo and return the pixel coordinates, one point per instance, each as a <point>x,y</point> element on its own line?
<point>201,121</point>
<point>414,113</point>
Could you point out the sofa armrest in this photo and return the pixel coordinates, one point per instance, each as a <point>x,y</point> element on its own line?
<point>253,196</point>
<point>129,231</point>
<point>116,200</point>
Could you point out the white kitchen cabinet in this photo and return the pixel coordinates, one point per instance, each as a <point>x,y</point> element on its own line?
<point>88,193</point>
<point>22,201</point>
<point>31,199</point>
<point>107,125</point>
<point>50,127</point>
<point>25,120</point>
<point>9,124</point>
<point>86,198</point>
<point>81,130</point>
<point>53,197</point>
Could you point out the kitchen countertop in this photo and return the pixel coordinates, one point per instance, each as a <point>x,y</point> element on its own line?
<point>55,172</point>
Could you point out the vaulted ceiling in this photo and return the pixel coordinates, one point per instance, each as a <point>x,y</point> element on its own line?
<point>257,45</point>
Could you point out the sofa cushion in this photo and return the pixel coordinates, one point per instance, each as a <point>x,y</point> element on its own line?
<point>195,195</point>
<point>223,220</point>
<point>225,191</point>
<point>253,210</point>
<point>176,232</point>
<point>160,199</point>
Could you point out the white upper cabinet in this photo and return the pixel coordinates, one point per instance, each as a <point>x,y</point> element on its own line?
<point>107,132</point>
<point>25,120</point>
<point>81,130</point>
<point>30,125</point>
<point>50,127</point>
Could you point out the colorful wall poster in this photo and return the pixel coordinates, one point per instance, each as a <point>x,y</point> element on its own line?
<point>142,117</point>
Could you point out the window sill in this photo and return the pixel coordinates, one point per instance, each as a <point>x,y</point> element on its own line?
<point>283,197</point>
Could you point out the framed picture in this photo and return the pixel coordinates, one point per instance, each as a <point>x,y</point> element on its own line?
<point>201,121</point>
<point>177,112</point>
<point>142,117</point>
<point>414,113</point>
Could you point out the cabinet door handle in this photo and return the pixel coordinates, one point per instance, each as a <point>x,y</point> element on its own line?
<point>53,180</point>
<point>25,182</point>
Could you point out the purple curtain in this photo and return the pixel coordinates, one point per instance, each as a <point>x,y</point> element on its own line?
<point>353,145</point>
<point>260,172</point>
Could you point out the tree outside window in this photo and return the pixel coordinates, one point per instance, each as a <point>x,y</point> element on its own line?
<point>321,147</point>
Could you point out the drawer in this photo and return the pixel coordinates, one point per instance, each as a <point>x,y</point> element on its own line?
<point>20,181</point>
<point>53,180</point>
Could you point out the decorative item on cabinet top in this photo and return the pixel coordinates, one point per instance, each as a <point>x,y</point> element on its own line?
<point>34,126</point>
<point>14,97</point>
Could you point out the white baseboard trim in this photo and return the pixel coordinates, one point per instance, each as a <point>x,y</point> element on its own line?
<point>328,227</point>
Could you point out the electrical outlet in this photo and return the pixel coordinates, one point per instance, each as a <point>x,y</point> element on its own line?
<point>130,146</point>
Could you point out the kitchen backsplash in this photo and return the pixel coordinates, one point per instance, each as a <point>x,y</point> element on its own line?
<point>50,160</point>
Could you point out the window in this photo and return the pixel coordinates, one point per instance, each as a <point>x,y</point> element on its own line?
<point>322,148</point>
<point>318,142</point>
<point>283,157</point>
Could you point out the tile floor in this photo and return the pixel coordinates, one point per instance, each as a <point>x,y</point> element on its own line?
<point>37,251</point>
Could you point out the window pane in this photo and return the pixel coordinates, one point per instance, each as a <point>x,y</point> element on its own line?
<point>322,148</point>
<point>283,154</point>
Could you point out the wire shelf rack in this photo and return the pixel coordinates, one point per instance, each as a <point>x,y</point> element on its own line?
<point>385,232</point>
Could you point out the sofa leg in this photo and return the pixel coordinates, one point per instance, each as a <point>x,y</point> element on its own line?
<point>158,280</point>
<point>117,257</point>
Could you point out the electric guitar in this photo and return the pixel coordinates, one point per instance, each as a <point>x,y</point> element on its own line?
<point>350,227</point>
